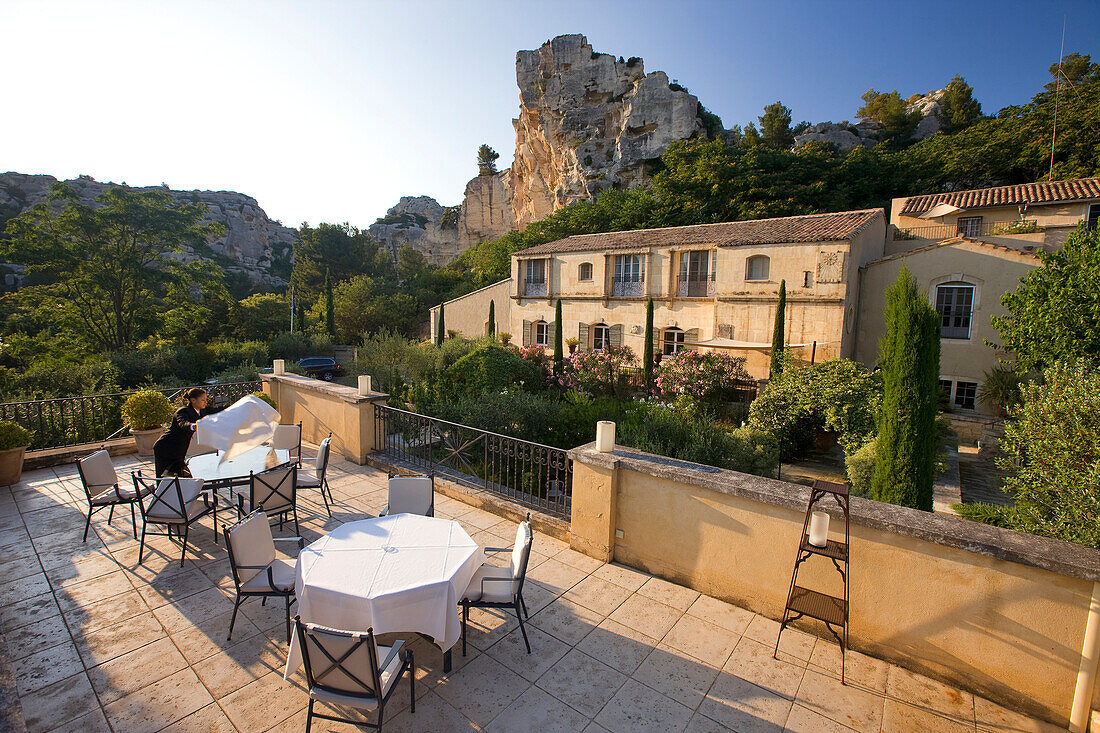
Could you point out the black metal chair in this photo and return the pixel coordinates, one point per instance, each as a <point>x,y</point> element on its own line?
<point>97,474</point>
<point>497,587</point>
<point>175,503</point>
<point>256,571</point>
<point>315,478</point>
<point>274,491</point>
<point>411,495</point>
<point>342,669</point>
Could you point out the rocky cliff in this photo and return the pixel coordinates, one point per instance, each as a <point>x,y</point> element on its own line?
<point>252,243</point>
<point>869,133</point>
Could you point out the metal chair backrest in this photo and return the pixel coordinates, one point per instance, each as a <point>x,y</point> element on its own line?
<point>251,547</point>
<point>521,554</point>
<point>341,662</point>
<point>273,490</point>
<point>171,498</point>
<point>97,473</point>
<point>288,437</point>
<point>412,495</point>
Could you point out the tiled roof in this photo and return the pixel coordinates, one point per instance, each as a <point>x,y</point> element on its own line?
<point>835,227</point>
<point>999,248</point>
<point>1044,192</point>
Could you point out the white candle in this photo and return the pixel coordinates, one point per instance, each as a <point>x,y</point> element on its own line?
<point>278,366</point>
<point>605,436</point>
<point>819,529</point>
<point>364,385</point>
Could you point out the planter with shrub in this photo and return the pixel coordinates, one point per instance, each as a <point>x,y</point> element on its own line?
<point>146,412</point>
<point>14,440</point>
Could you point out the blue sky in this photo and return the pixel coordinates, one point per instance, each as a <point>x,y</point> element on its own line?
<point>330,111</point>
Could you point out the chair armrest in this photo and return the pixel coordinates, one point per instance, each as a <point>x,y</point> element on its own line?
<point>498,549</point>
<point>385,511</point>
<point>299,540</point>
<point>393,653</point>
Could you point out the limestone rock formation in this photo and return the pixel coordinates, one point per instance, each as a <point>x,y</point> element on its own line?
<point>588,122</point>
<point>868,133</point>
<point>929,106</point>
<point>252,243</point>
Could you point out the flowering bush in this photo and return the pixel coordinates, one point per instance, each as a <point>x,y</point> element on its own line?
<point>595,372</point>
<point>707,377</point>
<point>535,355</point>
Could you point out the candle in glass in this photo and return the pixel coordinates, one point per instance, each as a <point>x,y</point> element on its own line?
<point>819,529</point>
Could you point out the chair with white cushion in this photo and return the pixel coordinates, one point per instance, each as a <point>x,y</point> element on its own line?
<point>343,670</point>
<point>288,438</point>
<point>314,477</point>
<point>256,570</point>
<point>411,495</point>
<point>176,503</point>
<point>501,587</point>
<point>97,474</point>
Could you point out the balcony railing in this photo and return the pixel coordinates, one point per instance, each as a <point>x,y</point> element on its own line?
<point>65,421</point>
<point>532,474</point>
<point>535,288</point>
<point>627,288</point>
<point>694,288</point>
<point>986,229</point>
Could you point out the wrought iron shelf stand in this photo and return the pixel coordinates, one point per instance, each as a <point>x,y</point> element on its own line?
<point>801,601</point>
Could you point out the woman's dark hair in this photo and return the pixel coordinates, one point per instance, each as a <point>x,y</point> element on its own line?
<point>194,393</point>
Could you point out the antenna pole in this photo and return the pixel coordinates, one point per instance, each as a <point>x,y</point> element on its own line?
<point>1057,88</point>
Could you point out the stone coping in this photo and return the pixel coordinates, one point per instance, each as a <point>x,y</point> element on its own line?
<point>347,394</point>
<point>962,534</point>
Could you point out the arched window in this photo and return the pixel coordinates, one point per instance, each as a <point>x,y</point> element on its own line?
<point>601,337</point>
<point>541,333</point>
<point>955,304</point>
<point>584,272</point>
<point>757,268</point>
<point>672,341</point>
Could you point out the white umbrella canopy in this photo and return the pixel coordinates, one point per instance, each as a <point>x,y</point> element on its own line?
<point>940,210</point>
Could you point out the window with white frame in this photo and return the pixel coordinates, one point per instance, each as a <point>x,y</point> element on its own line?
<point>969,226</point>
<point>955,303</point>
<point>536,271</point>
<point>672,341</point>
<point>584,272</point>
<point>629,268</point>
<point>601,337</point>
<point>541,333</point>
<point>966,394</point>
<point>758,268</point>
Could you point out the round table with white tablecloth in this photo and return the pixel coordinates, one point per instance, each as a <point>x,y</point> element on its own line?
<point>401,573</point>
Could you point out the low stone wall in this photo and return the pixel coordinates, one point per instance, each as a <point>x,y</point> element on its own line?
<point>998,612</point>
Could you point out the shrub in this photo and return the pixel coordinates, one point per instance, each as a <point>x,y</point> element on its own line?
<point>489,369</point>
<point>228,354</point>
<point>53,378</point>
<point>709,377</point>
<point>860,469</point>
<point>511,412</point>
<point>146,409</point>
<point>13,435</point>
<point>266,398</point>
<point>998,516</point>
<point>597,372</point>
<point>291,346</point>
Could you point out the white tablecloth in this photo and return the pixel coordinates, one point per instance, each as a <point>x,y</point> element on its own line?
<point>403,573</point>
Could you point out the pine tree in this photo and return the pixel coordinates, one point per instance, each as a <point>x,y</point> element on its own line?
<point>776,367</point>
<point>492,330</point>
<point>910,360</point>
<point>330,317</point>
<point>440,328</point>
<point>647,348</point>
<point>775,127</point>
<point>558,355</point>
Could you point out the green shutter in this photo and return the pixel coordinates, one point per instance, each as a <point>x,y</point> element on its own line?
<point>582,336</point>
<point>691,336</point>
<point>526,338</point>
<point>617,336</point>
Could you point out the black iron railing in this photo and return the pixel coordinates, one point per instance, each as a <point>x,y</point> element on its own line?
<point>972,229</point>
<point>531,474</point>
<point>64,421</point>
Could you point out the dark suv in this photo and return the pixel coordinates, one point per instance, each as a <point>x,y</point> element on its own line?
<point>324,367</point>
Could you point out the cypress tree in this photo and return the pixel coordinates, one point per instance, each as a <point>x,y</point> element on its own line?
<point>910,359</point>
<point>647,347</point>
<point>558,355</point>
<point>330,318</point>
<point>776,367</point>
<point>440,328</point>
<point>492,318</point>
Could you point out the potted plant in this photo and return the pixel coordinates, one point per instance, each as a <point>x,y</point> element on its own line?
<point>505,337</point>
<point>146,412</point>
<point>14,440</point>
<point>572,343</point>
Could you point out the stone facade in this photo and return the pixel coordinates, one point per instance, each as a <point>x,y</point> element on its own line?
<point>469,315</point>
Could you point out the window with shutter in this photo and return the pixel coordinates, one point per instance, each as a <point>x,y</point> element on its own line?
<point>526,333</point>
<point>617,336</point>
<point>672,341</point>
<point>601,337</point>
<point>582,336</point>
<point>691,336</point>
<point>541,336</point>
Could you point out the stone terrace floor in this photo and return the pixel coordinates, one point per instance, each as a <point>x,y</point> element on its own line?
<point>101,643</point>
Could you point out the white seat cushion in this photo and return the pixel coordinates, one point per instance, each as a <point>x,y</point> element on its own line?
<point>283,572</point>
<point>498,585</point>
<point>388,676</point>
<point>308,480</point>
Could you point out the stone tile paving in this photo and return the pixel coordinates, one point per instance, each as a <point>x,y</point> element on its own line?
<point>980,478</point>
<point>101,643</point>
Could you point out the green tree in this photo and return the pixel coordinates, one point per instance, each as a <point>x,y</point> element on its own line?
<point>751,137</point>
<point>778,349</point>
<point>104,270</point>
<point>341,248</point>
<point>775,127</point>
<point>440,328</point>
<point>492,328</point>
<point>559,352</point>
<point>889,110</point>
<point>647,345</point>
<point>1054,315</point>
<point>910,360</point>
<point>486,160</point>
<point>410,263</point>
<point>958,108</point>
<point>330,318</point>
<point>262,316</point>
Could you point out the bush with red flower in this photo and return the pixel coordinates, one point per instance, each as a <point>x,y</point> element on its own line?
<point>707,377</point>
<point>596,372</point>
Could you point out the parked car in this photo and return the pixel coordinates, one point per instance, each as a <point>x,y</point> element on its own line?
<point>324,367</point>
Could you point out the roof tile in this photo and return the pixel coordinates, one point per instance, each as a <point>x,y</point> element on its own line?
<point>1043,192</point>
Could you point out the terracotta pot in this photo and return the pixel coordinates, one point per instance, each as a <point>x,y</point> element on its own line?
<point>145,440</point>
<point>11,465</point>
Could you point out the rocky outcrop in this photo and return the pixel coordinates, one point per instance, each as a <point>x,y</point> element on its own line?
<point>929,106</point>
<point>588,122</point>
<point>251,244</point>
<point>868,133</point>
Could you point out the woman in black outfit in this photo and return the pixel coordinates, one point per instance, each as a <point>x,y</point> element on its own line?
<point>170,450</point>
